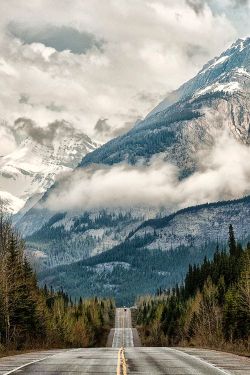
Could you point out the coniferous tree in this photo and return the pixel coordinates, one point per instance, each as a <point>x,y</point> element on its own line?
<point>212,309</point>
<point>40,317</point>
<point>232,241</point>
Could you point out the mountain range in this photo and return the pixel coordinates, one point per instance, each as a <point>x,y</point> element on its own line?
<point>182,126</point>
<point>31,169</point>
<point>155,255</point>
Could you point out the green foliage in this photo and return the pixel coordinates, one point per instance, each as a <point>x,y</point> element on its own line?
<point>212,308</point>
<point>31,317</point>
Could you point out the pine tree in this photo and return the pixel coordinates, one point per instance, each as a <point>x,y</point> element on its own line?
<point>232,242</point>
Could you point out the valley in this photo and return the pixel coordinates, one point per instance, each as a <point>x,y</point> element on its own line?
<point>125,187</point>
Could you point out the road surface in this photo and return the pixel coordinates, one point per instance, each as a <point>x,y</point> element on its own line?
<point>124,356</point>
<point>124,335</point>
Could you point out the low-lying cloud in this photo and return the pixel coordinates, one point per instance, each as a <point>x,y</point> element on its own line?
<point>224,173</point>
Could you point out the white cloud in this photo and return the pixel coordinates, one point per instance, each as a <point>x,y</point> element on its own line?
<point>223,173</point>
<point>150,47</point>
<point>7,139</point>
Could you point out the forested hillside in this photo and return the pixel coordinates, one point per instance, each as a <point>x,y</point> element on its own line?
<point>127,271</point>
<point>33,317</point>
<point>211,309</point>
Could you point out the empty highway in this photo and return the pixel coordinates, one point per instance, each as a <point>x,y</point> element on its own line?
<point>125,356</point>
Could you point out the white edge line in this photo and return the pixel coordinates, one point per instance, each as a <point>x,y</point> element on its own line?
<point>201,360</point>
<point>31,363</point>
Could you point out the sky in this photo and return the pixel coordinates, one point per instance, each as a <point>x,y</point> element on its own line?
<point>102,65</point>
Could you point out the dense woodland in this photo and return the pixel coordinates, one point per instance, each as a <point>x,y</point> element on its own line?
<point>211,309</point>
<point>33,317</point>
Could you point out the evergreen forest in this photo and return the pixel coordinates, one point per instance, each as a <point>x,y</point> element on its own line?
<point>211,309</point>
<point>35,317</point>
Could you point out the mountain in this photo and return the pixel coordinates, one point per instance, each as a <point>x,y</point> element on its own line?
<point>192,226</point>
<point>157,254</point>
<point>186,122</point>
<point>31,169</point>
<point>67,237</point>
<point>216,98</point>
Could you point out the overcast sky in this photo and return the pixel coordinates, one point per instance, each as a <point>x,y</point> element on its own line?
<point>102,64</point>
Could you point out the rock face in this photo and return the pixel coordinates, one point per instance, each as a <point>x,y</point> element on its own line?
<point>187,121</point>
<point>32,168</point>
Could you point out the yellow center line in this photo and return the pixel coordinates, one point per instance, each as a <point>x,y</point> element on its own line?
<point>121,363</point>
<point>118,368</point>
<point>121,368</point>
<point>123,325</point>
<point>124,365</point>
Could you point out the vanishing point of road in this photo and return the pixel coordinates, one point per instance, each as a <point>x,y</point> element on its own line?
<point>124,355</point>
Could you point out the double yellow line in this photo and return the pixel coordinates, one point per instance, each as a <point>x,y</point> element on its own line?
<point>121,363</point>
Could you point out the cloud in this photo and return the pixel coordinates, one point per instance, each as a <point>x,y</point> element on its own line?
<point>196,5</point>
<point>25,127</point>
<point>240,3</point>
<point>7,139</point>
<point>102,128</point>
<point>223,173</point>
<point>103,131</point>
<point>12,136</point>
<point>148,49</point>
<point>60,38</point>
<point>24,99</point>
<point>199,5</point>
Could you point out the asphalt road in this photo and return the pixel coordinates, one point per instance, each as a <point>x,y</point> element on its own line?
<point>123,335</point>
<point>130,360</point>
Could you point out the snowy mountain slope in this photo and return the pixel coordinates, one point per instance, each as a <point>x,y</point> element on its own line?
<point>193,226</point>
<point>12,203</point>
<point>32,168</point>
<point>68,237</point>
<point>219,68</point>
<point>183,122</point>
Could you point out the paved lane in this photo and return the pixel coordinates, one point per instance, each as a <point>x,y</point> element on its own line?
<point>123,334</point>
<point>172,361</point>
<point>79,361</point>
<point>148,361</point>
<point>130,360</point>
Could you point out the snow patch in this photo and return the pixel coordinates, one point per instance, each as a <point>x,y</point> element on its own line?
<point>109,267</point>
<point>229,87</point>
<point>13,203</point>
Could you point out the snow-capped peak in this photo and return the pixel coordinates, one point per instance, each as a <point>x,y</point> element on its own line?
<point>226,72</point>
<point>32,168</point>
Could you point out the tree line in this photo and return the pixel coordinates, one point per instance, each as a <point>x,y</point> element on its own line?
<point>35,317</point>
<point>211,309</point>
